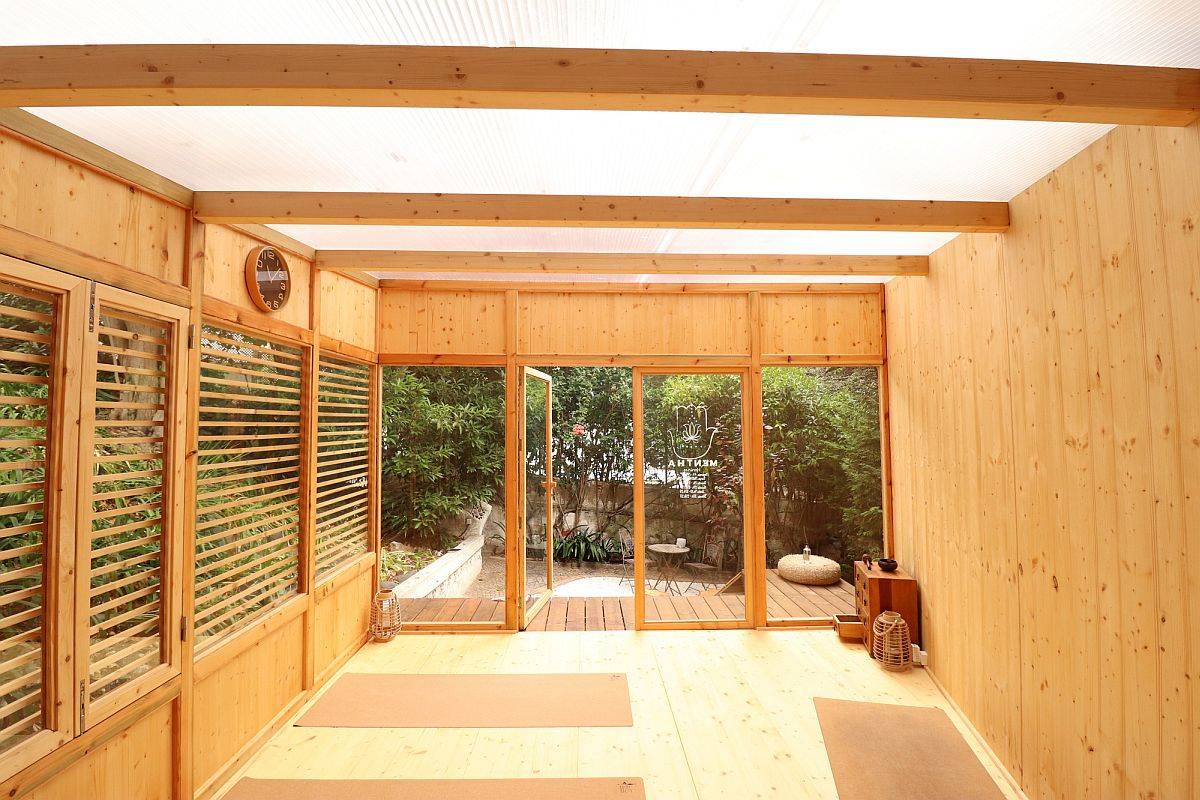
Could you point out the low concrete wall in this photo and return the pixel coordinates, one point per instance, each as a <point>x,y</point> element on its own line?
<point>449,576</point>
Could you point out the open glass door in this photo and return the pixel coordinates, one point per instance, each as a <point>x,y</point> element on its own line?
<point>690,542</point>
<point>537,494</point>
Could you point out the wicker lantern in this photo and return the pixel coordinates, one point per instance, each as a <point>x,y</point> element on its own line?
<point>891,643</point>
<point>385,614</point>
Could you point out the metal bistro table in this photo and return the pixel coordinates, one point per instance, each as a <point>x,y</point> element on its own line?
<point>670,558</point>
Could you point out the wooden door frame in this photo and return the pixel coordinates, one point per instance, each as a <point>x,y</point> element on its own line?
<point>752,578</point>
<point>526,614</point>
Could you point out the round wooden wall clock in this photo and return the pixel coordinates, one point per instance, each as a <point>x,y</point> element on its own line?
<point>267,278</point>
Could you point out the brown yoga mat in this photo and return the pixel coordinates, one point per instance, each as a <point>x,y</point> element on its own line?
<point>388,700</point>
<point>456,789</point>
<point>901,753</point>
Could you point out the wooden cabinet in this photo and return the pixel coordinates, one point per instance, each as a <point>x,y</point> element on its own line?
<point>876,591</point>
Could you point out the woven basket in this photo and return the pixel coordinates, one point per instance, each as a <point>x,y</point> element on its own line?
<point>891,644</point>
<point>385,615</point>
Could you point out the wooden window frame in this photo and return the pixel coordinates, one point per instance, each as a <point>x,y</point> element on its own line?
<point>306,478</point>
<point>61,723</point>
<point>173,490</point>
<point>373,436</point>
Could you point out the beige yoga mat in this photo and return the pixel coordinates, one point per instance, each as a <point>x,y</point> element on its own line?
<point>484,789</point>
<point>901,753</point>
<point>388,700</point>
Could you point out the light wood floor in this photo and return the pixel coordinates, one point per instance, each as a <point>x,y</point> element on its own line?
<point>785,600</point>
<point>717,714</point>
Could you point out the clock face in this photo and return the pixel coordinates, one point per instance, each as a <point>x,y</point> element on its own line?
<point>267,278</point>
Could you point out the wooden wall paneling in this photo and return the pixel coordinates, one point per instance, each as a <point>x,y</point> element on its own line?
<point>1178,179</point>
<point>343,613</point>
<point>64,144</point>
<point>62,201</point>
<point>138,764</point>
<point>347,310</point>
<point>1168,484</point>
<point>459,323</point>
<point>1139,697</point>
<point>847,325</point>
<point>1040,408</point>
<point>632,324</point>
<point>225,275</point>
<point>238,703</point>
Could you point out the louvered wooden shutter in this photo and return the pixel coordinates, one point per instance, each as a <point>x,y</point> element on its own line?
<point>343,462</point>
<point>248,487</point>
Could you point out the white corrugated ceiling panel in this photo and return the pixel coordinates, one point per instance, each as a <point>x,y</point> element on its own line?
<point>426,150</point>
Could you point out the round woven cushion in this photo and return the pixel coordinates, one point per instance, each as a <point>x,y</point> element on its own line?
<point>816,571</point>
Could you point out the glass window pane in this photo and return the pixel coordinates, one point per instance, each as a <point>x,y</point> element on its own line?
<point>823,485</point>
<point>442,488</point>
<point>695,548</point>
<point>27,334</point>
<point>129,440</point>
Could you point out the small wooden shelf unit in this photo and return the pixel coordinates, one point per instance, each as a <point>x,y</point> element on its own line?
<point>876,591</point>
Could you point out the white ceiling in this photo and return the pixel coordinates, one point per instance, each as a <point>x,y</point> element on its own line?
<point>452,150</point>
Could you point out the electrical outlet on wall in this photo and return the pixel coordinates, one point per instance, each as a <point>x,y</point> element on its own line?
<point>919,656</point>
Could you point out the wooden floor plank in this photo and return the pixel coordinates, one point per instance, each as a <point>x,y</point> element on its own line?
<point>557,614</point>
<point>717,714</point>
<point>611,610</point>
<point>785,600</point>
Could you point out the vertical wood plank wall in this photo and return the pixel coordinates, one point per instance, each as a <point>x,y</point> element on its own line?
<point>1045,417</point>
<point>830,324</point>
<point>58,211</point>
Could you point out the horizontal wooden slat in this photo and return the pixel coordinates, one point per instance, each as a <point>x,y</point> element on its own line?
<point>557,78</point>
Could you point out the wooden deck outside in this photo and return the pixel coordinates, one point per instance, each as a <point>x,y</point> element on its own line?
<point>784,601</point>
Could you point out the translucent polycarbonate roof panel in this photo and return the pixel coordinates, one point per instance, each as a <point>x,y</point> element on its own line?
<point>1151,32</point>
<point>579,152</point>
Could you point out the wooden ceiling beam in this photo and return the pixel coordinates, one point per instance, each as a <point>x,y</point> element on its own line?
<point>627,287</point>
<point>636,80</point>
<point>439,261</point>
<point>571,211</point>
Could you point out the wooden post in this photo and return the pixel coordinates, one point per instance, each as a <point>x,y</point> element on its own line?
<point>184,733</point>
<point>513,577</point>
<point>885,433</point>
<point>375,471</point>
<point>308,481</point>
<point>639,507</point>
<point>754,484</point>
